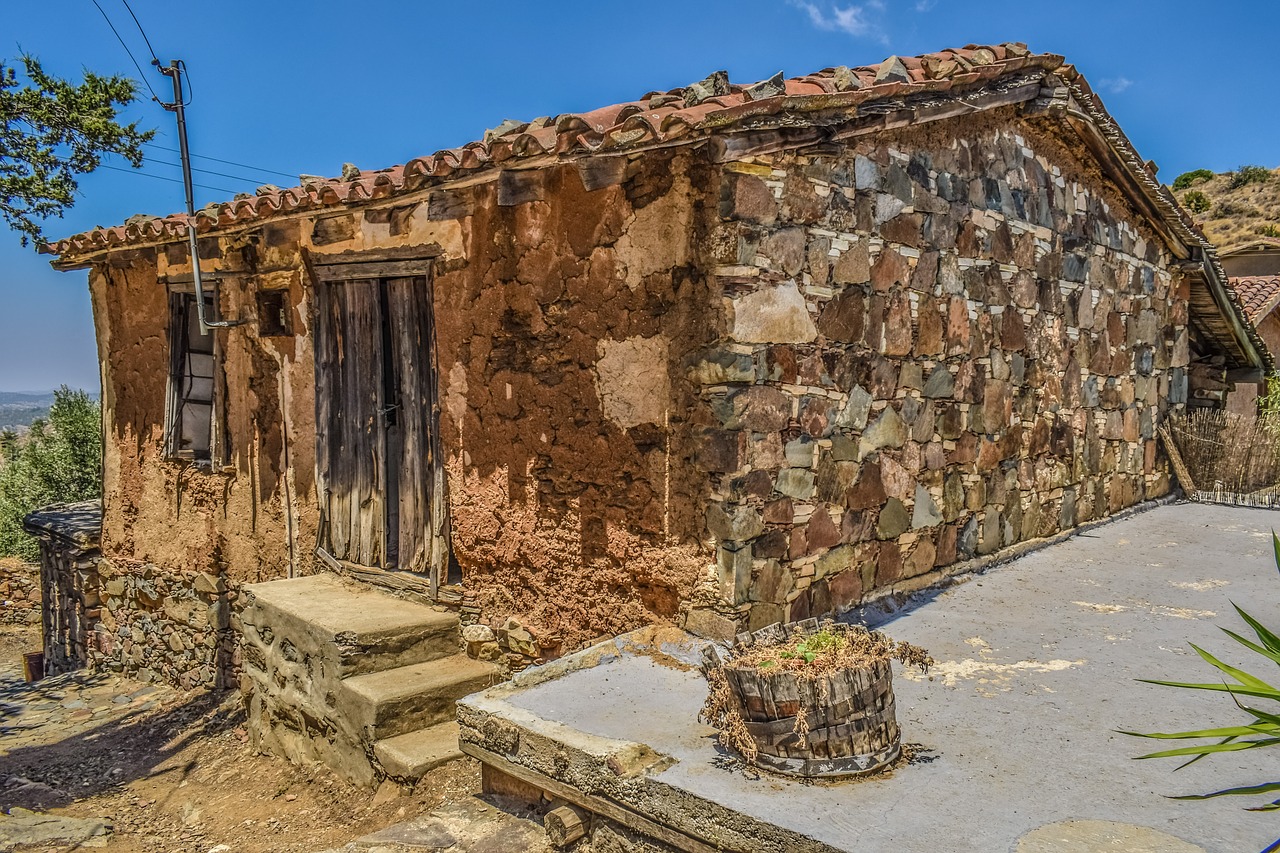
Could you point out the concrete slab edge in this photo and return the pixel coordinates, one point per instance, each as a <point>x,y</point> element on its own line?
<point>589,771</point>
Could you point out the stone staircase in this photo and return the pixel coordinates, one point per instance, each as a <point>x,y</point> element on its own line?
<point>366,683</point>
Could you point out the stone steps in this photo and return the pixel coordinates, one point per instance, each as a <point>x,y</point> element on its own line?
<point>355,678</point>
<point>411,756</point>
<point>356,628</point>
<point>407,698</point>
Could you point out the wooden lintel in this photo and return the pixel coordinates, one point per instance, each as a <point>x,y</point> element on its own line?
<point>601,171</point>
<point>520,186</point>
<point>364,256</point>
<point>590,802</point>
<point>377,269</point>
<point>1245,375</point>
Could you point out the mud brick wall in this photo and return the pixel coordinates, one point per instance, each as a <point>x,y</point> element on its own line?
<point>163,626</point>
<point>562,342</point>
<point>19,593</point>
<point>938,343</point>
<point>253,509</point>
<point>567,303</point>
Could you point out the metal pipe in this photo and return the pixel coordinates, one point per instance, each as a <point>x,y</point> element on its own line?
<point>174,72</point>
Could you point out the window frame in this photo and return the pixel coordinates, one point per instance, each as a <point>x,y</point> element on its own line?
<point>182,316</point>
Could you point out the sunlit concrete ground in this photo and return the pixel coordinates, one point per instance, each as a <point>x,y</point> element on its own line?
<point>1037,661</point>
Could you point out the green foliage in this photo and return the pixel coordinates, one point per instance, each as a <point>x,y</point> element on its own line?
<point>1269,403</point>
<point>1196,201</point>
<point>1246,175</point>
<point>1268,230</point>
<point>57,462</point>
<point>1187,179</point>
<point>51,132</point>
<point>813,645</point>
<point>1262,731</point>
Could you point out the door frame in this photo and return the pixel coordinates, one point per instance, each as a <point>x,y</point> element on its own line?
<point>332,270</point>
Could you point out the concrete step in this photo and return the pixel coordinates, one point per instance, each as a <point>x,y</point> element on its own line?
<point>407,698</point>
<point>358,629</point>
<point>411,756</point>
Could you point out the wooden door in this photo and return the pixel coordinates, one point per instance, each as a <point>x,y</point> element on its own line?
<point>377,474</point>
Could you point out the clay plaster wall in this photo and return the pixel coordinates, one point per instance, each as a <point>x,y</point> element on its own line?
<point>565,319</point>
<point>168,523</point>
<point>562,343</point>
<point>940,343</point>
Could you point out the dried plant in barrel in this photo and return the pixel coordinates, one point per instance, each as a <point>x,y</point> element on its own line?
<point>809,699</point>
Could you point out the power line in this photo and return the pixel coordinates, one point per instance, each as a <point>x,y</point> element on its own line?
<point>227,162</point>
<point>204,171</point>
<point>141,30</point>
<point>163,178</point>
<point>154,96</point>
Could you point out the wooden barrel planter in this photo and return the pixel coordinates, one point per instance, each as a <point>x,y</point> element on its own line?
<point>849,726</point>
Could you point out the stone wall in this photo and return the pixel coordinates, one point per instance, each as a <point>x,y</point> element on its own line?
<point>19,593</point>
<point>938,343</point>
<point>174,627</point>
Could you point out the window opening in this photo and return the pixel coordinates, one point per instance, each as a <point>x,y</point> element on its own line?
<point>274,313</point>
<point>191,380</point>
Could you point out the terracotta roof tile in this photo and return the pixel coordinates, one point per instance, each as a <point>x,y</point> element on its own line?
<point>656,118</point>
<point>1259,295</point>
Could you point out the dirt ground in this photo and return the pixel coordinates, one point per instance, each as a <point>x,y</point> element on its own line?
<point>173,771</point>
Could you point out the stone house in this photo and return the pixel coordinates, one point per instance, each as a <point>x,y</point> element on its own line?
<point>724,355</point>
<point>1253,272</point>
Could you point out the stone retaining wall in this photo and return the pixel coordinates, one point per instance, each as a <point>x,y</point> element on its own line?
<point>935,346</point>
<point>19,593</point>
<point>172,627</point>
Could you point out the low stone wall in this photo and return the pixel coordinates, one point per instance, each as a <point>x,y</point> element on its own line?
<point>173,627</point>
<point>19,593</point>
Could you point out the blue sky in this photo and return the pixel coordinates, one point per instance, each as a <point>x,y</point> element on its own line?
<point>302,87</point>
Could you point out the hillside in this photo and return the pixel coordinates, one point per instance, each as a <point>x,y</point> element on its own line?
<point>18,410</point>
<point>1232,207</point>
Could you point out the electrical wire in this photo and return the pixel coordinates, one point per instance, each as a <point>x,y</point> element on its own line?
<point>141,30</point>
<point>163,178</point>
<point>227,162</point>
<point>154,96</point>
<point>203,171</point>
<point>191,92</point>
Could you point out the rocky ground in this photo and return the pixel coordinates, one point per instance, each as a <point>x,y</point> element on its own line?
<point>172,771</point>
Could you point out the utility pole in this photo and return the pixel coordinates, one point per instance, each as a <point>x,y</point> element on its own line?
<point>174,72</point>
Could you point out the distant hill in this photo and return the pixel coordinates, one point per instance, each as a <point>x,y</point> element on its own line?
<point>18,409</point>
<point>1233,208</point>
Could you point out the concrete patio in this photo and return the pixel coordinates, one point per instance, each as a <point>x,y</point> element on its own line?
<point>1017,748</point>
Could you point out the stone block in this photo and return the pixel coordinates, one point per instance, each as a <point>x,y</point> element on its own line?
<point>894,520</point>
<point>720,367</point>
<point>800,452</point>
<point>735,573</point>
<point>940,384</point>
<point>888,430</point>
<point>748,198</point>
<point>734,522</point>
<point>925,513</point>
<point>785,248</point>
<point>797,483</point>
<point>844,317</point>
<point>856,410</point>
<point>773,314</point>
<point>869,489</point>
